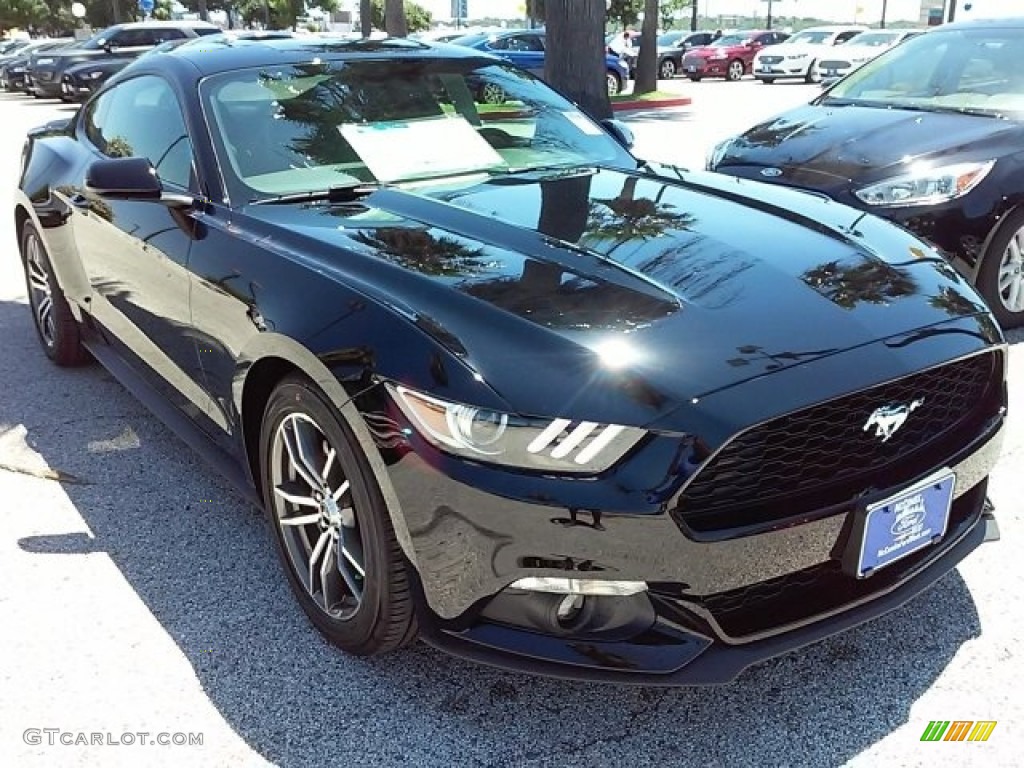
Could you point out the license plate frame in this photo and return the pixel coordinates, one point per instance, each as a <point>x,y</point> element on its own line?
<point>901,524</point>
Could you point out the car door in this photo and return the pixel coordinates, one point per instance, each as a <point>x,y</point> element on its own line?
<point>135,253</point>
<point>525,50</point>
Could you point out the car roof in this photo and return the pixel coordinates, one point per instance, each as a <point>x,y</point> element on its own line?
<point>184,23</point>
<point>1005,22</point>
<point>835,28</point>
<point>212,55</point>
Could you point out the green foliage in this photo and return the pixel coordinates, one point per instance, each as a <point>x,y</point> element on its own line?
<point>535,9</point>
<point>416,16</point>
<point>283,13</point>
<point>625,13</point>
<point>668,10</point>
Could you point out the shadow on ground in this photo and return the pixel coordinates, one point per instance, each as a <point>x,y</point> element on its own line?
<point>201,561</point>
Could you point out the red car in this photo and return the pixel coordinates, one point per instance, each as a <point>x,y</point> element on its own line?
<point>730,56</point>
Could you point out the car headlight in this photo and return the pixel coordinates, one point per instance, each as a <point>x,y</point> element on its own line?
<point>43,62</point>
<point>796,56</point>
<point>551,445</point>
<point>16,70</point>
<point>926,186</point>
<point>93,75</point>
<point>717,56</point>
<point>716,154</point>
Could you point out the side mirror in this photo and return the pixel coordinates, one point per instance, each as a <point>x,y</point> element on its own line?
<point>620,132</point>
<point>130,178</point>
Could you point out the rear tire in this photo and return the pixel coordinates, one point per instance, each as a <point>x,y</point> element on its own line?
<point>1001,274</point>
<point>59,332</point>
<point>330,524</point>
<point>614,83</point>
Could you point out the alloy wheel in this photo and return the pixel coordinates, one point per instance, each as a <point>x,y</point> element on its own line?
<point>492,93</point>
<point>313,508</point>
<point>735,70</point>
<point>668,69</point>
<point>39,290</point>
<point>613,84</point>
<point>1011,273</point>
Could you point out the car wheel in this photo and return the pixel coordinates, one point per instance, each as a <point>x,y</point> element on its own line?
<point>614,84</point>
<point>331,525</point>
<point>58,330</point>
<point>812,75</point>
<point>1001,276</point>
<point>667,70</point>
<point>735,71</point>
<point>492,93</point>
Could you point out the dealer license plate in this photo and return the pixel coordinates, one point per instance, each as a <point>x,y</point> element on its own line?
<point>906,522</point>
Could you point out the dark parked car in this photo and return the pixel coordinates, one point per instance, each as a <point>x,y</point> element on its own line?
<point>730,56</point>
<point>671,48</point>
<point>930,135</point>
<point>13,68</point>
<point>525,49</point>
<point>127,41</point>
<point>497,382</point>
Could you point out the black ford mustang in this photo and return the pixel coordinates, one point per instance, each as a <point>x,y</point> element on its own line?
<point>500,384</point>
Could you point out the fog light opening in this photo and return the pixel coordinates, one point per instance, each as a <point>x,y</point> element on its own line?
<point>569,609</point>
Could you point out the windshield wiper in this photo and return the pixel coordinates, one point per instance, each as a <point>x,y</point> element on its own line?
<point>533,169</point>
<point>345,193</point>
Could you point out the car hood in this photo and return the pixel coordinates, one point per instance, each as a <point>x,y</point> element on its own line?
<point>794,49</point>
<point>690,284</point>
<point>855,52</point>
<point>832,149</point>
<point>107,65</point>
<point>707,51</point>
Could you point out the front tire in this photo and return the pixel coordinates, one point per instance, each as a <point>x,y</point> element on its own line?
<point>812,74</point>
<point>59,332</point>
<point>614,83</point>
<point>1001,275</point>
<point>331,525</point>
<point>735,71</point>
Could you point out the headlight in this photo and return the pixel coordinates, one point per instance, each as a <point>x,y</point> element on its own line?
<point>558,445</point>
<point>717,56</point>
<point>16,70</point>
<point>42,62</point>
<point>926,186</point>
<point>93,75</point>
<point>797,56</point>
<point>716,154</point>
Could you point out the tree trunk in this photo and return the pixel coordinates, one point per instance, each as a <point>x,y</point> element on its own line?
<point>394,18</point>
<point>574,60</point>
<point>647,61</point>
<point>204,12</point>
<point>365,17</point>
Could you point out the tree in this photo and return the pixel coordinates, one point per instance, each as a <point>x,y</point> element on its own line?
<point>21,13</point>
<point>670,9</point>
<point>416,18</point>
<point>394,18</point>
<point>365,17</point>
<point>625,12</point>
<point>575,60</point>
<point>647,61</point>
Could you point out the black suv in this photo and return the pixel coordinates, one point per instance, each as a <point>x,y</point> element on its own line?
<point>121,40</point>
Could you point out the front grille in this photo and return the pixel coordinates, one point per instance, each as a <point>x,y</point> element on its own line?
<point>44,76</point>
<point>771,59</point>
<point>803,595</point>
<point>694,62</point>
<point>823,457</point>
<point>833,64</point>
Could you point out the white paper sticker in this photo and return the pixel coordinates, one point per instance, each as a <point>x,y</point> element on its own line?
<point>420,148</point>
<point>582,122</point>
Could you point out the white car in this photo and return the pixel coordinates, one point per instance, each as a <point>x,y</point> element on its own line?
<point>860,50</point>
<point>797,57</point>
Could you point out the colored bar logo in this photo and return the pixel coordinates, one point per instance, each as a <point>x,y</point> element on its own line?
<point>958,730</point>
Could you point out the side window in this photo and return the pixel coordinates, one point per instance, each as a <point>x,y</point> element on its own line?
<point>528,43</point>
<point>164,34</point>
<point>132,38</point>
<point>141,117</point>
<point>842,37</point>
<point>767,39</point>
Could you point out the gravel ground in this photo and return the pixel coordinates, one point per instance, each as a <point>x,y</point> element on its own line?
<point>140,595</point>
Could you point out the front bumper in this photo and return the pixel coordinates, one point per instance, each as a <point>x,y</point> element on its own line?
<point>781,70</point>
<point>74,89</point>
<point>40,85</point>
<point>718,598</point>
<point>705,68</point>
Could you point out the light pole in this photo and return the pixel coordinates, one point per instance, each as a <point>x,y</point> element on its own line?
<point>885,6</point>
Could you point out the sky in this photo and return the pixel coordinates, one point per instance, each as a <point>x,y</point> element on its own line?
<point>864,11</point>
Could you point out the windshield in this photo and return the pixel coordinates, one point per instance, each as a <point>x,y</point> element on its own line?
<point>289,129</point>
<point>730,40</point>
<point>95,42</point>
<point>669,39</point>
<point>971,70</point>
<point>810,38</point>
<point>470,41</point>
<point>874,39</point>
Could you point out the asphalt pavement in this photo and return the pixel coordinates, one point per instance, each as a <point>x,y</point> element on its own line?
<point>141,595</point>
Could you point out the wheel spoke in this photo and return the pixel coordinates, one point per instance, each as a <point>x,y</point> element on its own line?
<point>43,312</point>
<point>300,520</point>
<point>346,564</point>
<point>289,491</point>
<point>326,582</point>
<point>1013,249</point>
<point>342,490</point>
<point>1014,300</point>
<point>37,277</point>
<point>1006,278</point>
<point>316,554</point>
<point>331,453</point>
<point>292,444</point>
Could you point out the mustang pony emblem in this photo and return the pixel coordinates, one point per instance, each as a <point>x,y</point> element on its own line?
<point>889,418</point>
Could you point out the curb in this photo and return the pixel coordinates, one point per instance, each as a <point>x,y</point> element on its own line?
<point>627,106</point>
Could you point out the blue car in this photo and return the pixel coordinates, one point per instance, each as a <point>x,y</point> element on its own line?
<point>525,49</point>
